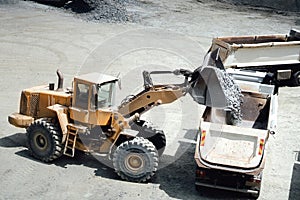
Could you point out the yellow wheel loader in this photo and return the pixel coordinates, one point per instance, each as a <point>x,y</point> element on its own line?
<point>59,121</point>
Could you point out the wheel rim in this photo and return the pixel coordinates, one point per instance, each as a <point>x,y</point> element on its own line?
<point>40,141</point>
<point>134,162</point>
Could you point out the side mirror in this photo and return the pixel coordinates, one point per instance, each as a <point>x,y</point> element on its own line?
<point>119,81</point>
<point>94,98</point>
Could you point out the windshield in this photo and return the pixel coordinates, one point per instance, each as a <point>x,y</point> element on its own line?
<point>106,95</point>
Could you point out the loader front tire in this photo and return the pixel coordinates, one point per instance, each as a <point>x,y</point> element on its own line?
<point>136,160</point>
<point>44,140</point>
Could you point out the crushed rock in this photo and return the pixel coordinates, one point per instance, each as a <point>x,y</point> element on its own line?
<point>233,95</point>
<point>109,11</point>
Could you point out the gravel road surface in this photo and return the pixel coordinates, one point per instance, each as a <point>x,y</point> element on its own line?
<point>36,39</point>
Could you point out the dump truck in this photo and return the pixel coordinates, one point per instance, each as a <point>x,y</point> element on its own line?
<point>60,121</point>
<point>232,157</point>
<point>276,54</point>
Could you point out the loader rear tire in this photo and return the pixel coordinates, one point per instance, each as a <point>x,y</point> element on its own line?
<point>44,139</point>
<point>157,137</point>
<point>136,160</point>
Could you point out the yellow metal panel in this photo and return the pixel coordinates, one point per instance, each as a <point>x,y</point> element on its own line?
<point>156,96</point>
<point>79,115</point>
<point>102,117</point>
<point>19,120</point>
<point>62,115</point>
<point>44,98</point>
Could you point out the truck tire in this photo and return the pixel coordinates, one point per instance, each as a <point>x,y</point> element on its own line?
<point>44,140</point>
<point>136,160</point>
<point>255,196</point>
<point>296,78</point>
<point>157,137</point>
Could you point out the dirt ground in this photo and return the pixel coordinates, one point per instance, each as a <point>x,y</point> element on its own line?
<point>35,40</point>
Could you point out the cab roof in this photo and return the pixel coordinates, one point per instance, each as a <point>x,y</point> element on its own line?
<point>97,78</point>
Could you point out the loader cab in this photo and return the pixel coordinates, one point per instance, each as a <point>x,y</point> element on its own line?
<point>93,95</point>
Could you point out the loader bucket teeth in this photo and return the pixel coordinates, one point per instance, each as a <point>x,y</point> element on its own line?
<point>213,59</point>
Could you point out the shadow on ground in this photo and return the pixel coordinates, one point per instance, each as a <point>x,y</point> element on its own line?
<point>81,158</point>
<point>176,178</point>
<point>15,140</point>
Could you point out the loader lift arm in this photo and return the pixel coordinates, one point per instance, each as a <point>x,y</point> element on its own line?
<point>208,85</point>
<point>154,95</point>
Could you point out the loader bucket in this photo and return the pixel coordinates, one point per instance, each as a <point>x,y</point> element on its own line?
<point>212,86</point>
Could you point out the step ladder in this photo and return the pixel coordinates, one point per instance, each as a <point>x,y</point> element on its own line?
<point>69,149</point>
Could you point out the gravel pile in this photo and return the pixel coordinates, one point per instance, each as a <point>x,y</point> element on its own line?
<point>103,10</point>
<point>98,10</point>
<point>8,1</point>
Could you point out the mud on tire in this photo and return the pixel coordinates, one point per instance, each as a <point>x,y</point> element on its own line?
<point>136,160</point>
<point>44,139</point>
<point>157,137</point>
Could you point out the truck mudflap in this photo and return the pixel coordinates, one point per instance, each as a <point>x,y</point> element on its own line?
<point>249,191</point>
<point>231,181</point>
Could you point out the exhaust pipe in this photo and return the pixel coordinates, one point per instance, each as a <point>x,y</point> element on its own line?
<point>60,80</point>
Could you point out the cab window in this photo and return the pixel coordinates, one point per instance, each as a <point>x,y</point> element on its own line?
<point>82,96</point>
<point>106,95</point>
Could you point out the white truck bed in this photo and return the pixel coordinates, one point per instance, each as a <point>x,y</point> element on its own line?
<point>259,50</point>
<point>232,146</point>
<point>238,148</point>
